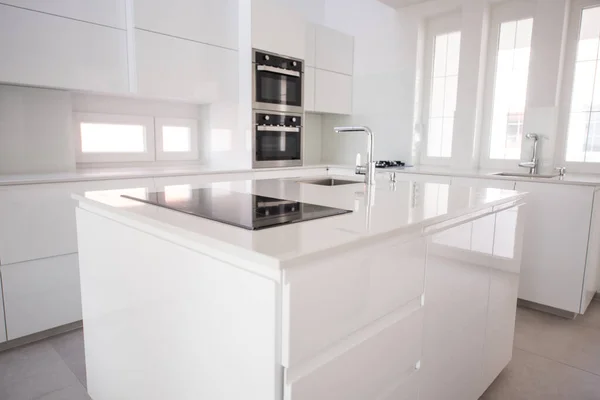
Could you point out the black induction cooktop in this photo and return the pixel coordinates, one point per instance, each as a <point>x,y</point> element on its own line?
<point>243,210</point>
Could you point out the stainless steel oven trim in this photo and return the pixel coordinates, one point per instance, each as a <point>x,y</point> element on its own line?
<point>277,70</point>
<point>276,128</point>
<point>276,107</point>
<point>280,163</point>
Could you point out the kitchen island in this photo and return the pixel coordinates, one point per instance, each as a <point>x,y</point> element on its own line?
<point>412,295</point>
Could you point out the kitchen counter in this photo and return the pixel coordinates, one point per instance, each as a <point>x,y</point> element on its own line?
<point>381,213</point>
<point>568,179</point>
<point>419,283</point>
<point>129,173</point>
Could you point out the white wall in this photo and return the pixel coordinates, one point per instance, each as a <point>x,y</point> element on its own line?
<point>385,63</point>
<point>35,130</point>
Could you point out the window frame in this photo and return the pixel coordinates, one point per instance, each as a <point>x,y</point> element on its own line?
<point>441,25</point>
<point>568,82</point>
<point>192,124</point>
<point>499,14</point>
<point>147,122</point>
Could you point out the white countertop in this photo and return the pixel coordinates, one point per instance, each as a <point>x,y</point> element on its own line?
<point>568,179</point>
<point>127,173</point>
<point>386,212</point>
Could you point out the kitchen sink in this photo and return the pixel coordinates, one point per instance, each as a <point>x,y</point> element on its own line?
<point>525,175</point>
<point>329,182</point>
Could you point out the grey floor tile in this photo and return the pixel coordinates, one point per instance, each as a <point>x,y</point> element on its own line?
<point>566,341</point>
<point>531,377</point>
<point>592,316</point>
<point>76,392</point>
<point>70,347</point>
<point>32,371</point>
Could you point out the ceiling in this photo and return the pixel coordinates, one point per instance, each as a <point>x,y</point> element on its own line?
<point>402,3</point>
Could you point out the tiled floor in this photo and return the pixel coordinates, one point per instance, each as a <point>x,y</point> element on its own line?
<point>553,359</point>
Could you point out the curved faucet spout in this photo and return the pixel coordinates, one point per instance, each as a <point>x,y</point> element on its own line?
<point>369,169</point>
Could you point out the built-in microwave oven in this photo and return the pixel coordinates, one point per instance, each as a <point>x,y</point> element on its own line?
<point>278,82</point>
<point>277,139</point>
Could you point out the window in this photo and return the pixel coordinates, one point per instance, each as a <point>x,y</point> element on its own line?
<point>510,89</point>
<point>176,139</point>
<point>440,88</point>
<point>114,138</point>
<point>583,132</point>
<point>125,138</point>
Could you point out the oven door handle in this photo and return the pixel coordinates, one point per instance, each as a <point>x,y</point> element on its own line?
<point>270,128</point>
<point>276,70</point>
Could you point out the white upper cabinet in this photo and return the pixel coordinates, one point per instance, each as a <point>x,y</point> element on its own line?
<point>208,21</point>
<point>172,68</point>
<point>334,50</point>
<point>277,28</point>
<point>333,92</point>
<point>102,12</point>
<point>44,50</point>
<point>311,46</point>
<point>309,89</point>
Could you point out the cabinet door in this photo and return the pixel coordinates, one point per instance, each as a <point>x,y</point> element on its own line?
<point>277,28</point>
<point>555,244</point>
<point>333,92</point>
<point>207,21</point>
<point>310,53</point>
<point>109,13</point>
<point>172,68</point>
<point>484,183</point>
<point>41,294</point>
<point>309,89</point>
<point>334,50</point>
<point>38,221</point>
<point>591,284</point>
<point>2,325</point>
<point>44,50</point>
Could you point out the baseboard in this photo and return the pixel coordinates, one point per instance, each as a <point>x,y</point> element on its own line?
<point>36,337</point>
<point>547,309</point>
<point>597,296</point>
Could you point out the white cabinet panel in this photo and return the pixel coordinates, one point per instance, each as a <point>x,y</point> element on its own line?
<point>301,173</point>
<point>484,183</point>
<point>402,176</point>
<point>592,264</point>
<point>173,68</point>
<point>334,50</point>
<point>310,54</point>
<point>41,294</point>
<point>41,49</point>
<point>278,28</point>
<point>368,285</point>
<point>309,89</point>
<point>208,21</point>
<point>103,12</point>
<point>333,92</point>
<point>368,370</point>
<point>38,221</point>
<point>556,241</point>
<point>2,325</point>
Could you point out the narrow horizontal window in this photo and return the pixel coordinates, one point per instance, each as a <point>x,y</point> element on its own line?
<point>111,138</point>
<point>176,139</point>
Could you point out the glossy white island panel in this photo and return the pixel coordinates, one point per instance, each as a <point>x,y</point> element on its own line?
<point>348,307</point>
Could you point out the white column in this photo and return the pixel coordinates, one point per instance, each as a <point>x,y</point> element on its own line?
<point>471,79</point>
<point>545,77</point>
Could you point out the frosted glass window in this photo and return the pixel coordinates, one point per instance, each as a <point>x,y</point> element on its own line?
<point>112,138</point>
<point>444,87</point>
<point>177,139</point>
<point>510,89</point>
<point>583,135</point>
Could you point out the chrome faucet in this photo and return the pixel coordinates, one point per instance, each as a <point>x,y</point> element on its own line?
<point>368,170</point>
<point>534,163</point>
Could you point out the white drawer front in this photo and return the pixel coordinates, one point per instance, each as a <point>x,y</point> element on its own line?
<point>41,294</point>
<point>332,298</point>
<point>374,369</point>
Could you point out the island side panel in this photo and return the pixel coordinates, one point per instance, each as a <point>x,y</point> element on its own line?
<point>164,322</point>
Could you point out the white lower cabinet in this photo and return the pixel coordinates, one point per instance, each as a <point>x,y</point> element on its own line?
<point>333,92</point>
<point>370,370</point>
<point>41,294</point>
<point>2,325</point>
<point>591,279</point>
<point>556,243</point>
